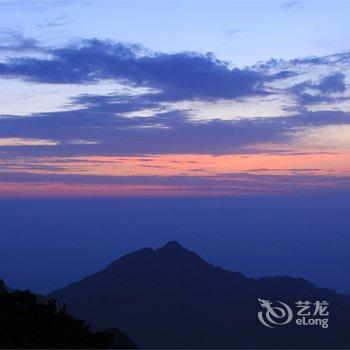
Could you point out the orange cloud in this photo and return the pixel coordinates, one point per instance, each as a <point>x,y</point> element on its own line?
<point>289,167</point>
<point>194,164</point>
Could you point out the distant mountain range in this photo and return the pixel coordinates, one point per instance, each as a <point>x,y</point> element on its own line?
<point>171,298</point>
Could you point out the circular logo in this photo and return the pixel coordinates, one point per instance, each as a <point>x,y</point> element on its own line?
<point>275,313</point>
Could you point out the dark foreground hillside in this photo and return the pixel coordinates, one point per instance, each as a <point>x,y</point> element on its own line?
<point>171,298</point>
<point>26,323</point>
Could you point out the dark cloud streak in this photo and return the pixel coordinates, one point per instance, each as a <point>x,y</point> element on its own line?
<point>185,75</point>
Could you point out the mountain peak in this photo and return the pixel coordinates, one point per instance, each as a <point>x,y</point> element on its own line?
<point>173,245</point>
<point>172,251</point>
<point>175,253</point>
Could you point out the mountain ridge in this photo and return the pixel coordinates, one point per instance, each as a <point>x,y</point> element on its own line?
<point>176,247</point>
<point>170,297</point>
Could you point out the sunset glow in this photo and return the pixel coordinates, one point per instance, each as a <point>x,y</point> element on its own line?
<point>101,117</point>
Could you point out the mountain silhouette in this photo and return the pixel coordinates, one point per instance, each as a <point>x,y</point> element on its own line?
<point>26,323</point>
<point>172,298</point>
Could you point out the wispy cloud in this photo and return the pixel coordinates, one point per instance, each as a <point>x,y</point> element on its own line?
<point>293,6</point>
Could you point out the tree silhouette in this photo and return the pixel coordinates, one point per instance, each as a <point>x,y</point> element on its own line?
<point>26,323</point>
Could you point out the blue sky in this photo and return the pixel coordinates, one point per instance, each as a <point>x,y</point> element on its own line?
<point>242,32</point>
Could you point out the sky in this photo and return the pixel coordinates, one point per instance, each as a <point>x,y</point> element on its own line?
<point>115,98</point>
<point>48,243</point>
<point>223,125</point>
